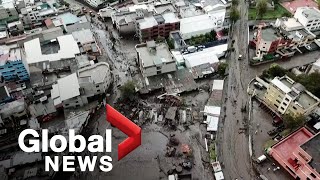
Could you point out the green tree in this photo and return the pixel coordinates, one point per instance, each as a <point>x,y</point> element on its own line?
<point>222,68</point>
<point>262,7</point>
<point>213,35</point>
<point>318,2</point>
<point>235,2</point>
<point>234,14</point>
<point>128,90</point>
<point>293,122</point>
<point>170,43</point>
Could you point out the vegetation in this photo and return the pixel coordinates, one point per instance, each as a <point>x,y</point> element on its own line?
<point>269,143</point>
<point>128,90</point>
<point>293,122</point>
<point>278,12</point>
<point>235,2</point>
<point>170,43</point>
<point>212,151</point>
<point>222,68</point>
<point>274,71</point>
<point>262,7</point>
<point>234,14</point>
<point>318,2</point>
<point>285,132</point>
<point>202,39</point>
<point>310,81</point>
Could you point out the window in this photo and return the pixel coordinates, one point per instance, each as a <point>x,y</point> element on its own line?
<point>278,101</point>
<point>314,176</point>
<point>67,104</point>
<point>282,108</point>
<point>98,90</point>
<point>285,104</point>
<point>286,99</point>
<point>294,107</point>
<point>276,105</point>
<point>97,86</point>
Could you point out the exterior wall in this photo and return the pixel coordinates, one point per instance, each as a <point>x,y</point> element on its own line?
<point>14,70</point>
<point>165,68</point>
<point>310,23</point>
<point>273,97</point>
<point>74,102</point>
<point>162,30</point>
<point>6,13</point>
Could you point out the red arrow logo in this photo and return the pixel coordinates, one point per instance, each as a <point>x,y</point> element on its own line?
<point>127,127</point>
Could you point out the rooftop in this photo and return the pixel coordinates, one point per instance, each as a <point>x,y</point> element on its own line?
<point>151,21</point>
<point>312,147</point>
<point>309,12</point>
<point>96,73</point>
<point>84,36</point>
<point>196,24</point>
<point>269,34</point>
<point>306,99</point>
<point>68,49</point>
<point>12,108</point>
<point>283,87</point>
<point>151,56</point>
<point>207,55</point>
<point>66,88</point>
<point>292,6</point>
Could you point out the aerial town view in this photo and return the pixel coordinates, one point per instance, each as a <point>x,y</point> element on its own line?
<point>159,89</point>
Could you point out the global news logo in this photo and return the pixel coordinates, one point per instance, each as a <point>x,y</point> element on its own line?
<point>78,143</point>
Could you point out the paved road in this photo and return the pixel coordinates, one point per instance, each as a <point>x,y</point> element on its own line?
<point>233,142</point>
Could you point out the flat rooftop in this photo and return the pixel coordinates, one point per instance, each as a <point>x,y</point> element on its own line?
<point>68,49</point>
<point>151,56</point>
<point>312,147</point>
<point>306,100</point>
<point>292,6</point>
<point>286,147</point>
<point>96,73</point>
<point>269,34</point>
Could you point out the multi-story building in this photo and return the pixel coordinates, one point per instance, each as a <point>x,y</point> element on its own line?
<point>299,154</point>
<point>288,97</point>
<point>34,14</point>
<point>160,25</point>
<point>12,66</point>
<point>284,37</point>
<point>155,58</point>
<point>79,88</point>
<point>8,10</point>
<point>96,3</point>
<point>309,17</point>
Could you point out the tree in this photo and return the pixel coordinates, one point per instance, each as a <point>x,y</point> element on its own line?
<point>128,90</point>
<point>318,2</point>
<point>235,2</point>
<point>234,14</point>
<point>170,43</point>
<point>213,35</point>
<point>292,121</point>
<point>222,68</point>
<point>262,6</point>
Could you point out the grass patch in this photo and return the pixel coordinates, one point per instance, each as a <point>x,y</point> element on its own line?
<point>285,132</point>
<point>278,11</point>
<point>212,151</point>
<point>269,143</point>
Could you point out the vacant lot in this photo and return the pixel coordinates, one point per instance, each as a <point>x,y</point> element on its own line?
<point>278,11</point>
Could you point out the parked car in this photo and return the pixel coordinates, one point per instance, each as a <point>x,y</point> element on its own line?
<point>240,57</point>
<point>272,132</point>
<point>258,85</point>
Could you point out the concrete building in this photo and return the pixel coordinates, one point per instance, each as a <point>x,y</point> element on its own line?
<point>96,3</point>
<point>68,22</point>
<point>8,11</point>
<point>86,41</point>
<point>288,97</point>
<point>12,66</point>
<point>201,24</point>
<point>315,67</point>
<point>63,48</point>
<point>79,88</point>
<point>309,17</point>
<point>284,38</point>
<point>13,112</point>
<point>124,19</point>
<point>160,25</point>
<point>154,59</point>
<point>299,154</point>
<point>34,13</point>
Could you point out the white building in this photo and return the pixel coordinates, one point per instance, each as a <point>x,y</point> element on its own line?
<point>202,24</point>
<point>68,50</point>
<point>95,3</point>
<point>76,89</point>
<point>155,59</point>
<point>309,17</point>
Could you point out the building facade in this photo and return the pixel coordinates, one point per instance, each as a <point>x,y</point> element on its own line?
<point>288,97</point>
<point>155,59</point>
<point>160,25</point>
<point>309,17</point>
<point>12,67</point>
<point>8,10</point>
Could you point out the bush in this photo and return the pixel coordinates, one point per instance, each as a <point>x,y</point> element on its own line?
<point>222,69</point>
<point>128,90</point>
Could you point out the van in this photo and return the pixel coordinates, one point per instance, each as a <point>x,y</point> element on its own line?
<point>261,159</point>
